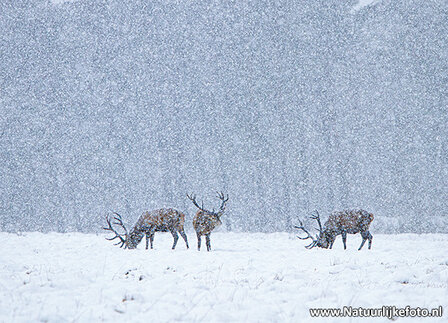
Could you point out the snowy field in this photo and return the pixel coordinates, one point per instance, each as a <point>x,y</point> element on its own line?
<point>247,277</point>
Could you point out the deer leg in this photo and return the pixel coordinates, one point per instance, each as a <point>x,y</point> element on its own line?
<point>370,237</point>
<point>175,237</point>
<point>151,238</point>
<point>344,239</point>
<point>147,240</point>
<point>332,241</point>
<point>199,240</point>
<point>184,236</point>
<point>207,242</point>
<point>364,235</point>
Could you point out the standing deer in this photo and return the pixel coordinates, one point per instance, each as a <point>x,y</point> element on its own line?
<point>148,223</point>
<point>344,222</point>
<point>205,221</point>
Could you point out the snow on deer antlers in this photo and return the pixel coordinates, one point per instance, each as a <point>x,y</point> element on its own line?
<point>161,220</point>
<point>205,221</point>
<point>340,223</point>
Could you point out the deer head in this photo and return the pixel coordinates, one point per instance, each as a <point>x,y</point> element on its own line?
<point>214,216</point>
<point>320,240</point>
<point>128,240</point>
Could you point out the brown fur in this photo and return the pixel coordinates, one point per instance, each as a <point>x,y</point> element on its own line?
<point>204,223</point>
<point>348,221</point>
<point>161,220</point>
<point>352,221</point>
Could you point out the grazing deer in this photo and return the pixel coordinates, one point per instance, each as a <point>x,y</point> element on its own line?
<point>344,222</point>
<point>163,220</point>
<point>205,221</point>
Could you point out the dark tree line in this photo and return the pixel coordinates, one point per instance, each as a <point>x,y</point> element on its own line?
<point>286,106</point>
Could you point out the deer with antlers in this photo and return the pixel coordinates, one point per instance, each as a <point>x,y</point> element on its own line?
<point>340,223</point>
<point>161,220</point>
<point>204,222</point>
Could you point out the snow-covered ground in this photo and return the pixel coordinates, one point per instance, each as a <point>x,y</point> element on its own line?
<point>247,277</point>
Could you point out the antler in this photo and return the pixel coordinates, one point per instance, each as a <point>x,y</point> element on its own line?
<point>193,199</point>
<point>224,200</point>
<point>119,222</point>
<point>317,217</point>
<point>309,236</point>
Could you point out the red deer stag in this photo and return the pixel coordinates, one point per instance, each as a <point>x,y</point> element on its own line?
<point>340,223</point>
<point>205,221</point>
<point>162,220</point>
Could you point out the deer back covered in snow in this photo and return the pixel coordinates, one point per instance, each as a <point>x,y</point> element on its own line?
<point>148,223</point>
<point>341,223</point>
